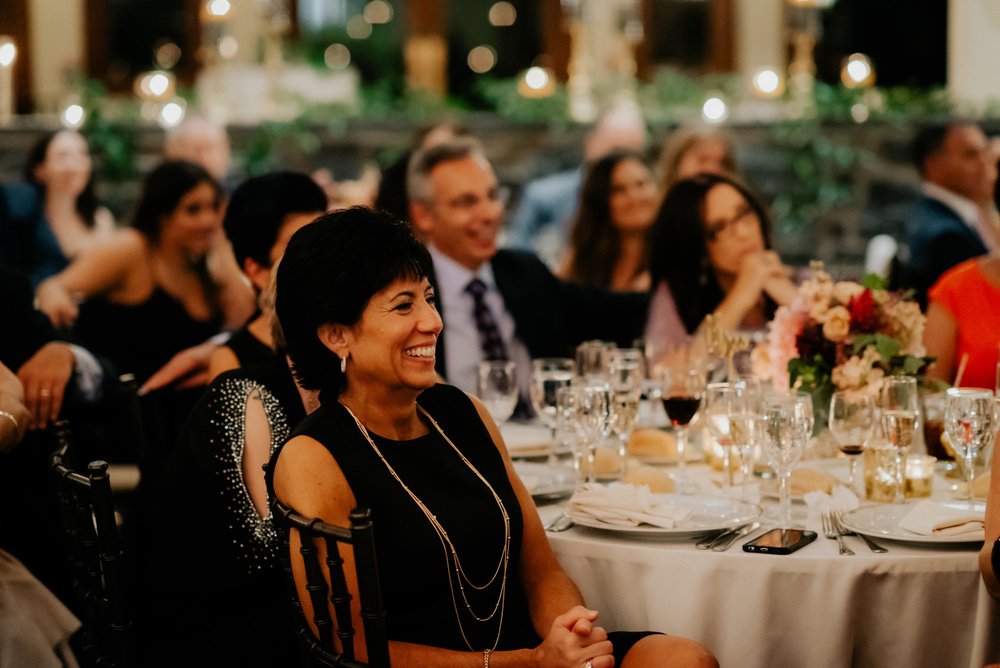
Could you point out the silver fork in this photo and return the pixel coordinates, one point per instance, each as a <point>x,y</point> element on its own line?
<point>844,531</point>
<point>830,530</point>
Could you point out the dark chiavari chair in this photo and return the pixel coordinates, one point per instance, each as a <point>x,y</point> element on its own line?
<point>94,551</point>
<point>329,588</point>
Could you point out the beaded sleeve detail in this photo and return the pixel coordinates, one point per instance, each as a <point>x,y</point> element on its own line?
<point>253,536</point>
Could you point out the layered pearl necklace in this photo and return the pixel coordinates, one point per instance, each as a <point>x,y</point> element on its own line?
<point>454,563</point>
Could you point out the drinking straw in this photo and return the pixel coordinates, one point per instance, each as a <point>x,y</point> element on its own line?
<point>961,369</point>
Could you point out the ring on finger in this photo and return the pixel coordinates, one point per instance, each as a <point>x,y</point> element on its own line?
<point>589,664</point>
<point>44,393</point>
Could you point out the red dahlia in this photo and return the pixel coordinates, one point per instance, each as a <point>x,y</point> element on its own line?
<point>864,313</point>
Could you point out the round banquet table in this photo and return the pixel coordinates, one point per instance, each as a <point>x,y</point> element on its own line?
<point>917,605</point>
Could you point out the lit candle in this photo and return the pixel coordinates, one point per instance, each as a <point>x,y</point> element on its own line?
<point>8,54</point>
<point>919,476</point>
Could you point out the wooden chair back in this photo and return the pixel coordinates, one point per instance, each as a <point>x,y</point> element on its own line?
<point>94,551</point>
<point>360,537</point>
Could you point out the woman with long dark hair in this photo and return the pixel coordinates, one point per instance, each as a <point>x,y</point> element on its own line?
<point>712,254</point>
<point>166,283</point>
<point>69,219</point>
<point>609,243</point>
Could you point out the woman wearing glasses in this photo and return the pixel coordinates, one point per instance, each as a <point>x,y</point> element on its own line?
<point>711,254</point>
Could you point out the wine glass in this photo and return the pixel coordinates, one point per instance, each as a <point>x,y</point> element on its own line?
<point>568,432</point>
<point>593,358</point>
<point>591,420</point>
<point>784,432</point>
<point>681,395</point>
<point>747,426</point>
<point>548,374</point>
<point>852,419</point>
<point>968,420</point>
<point>496,387</point>
<point>720,403</point>
<point>899,420</point>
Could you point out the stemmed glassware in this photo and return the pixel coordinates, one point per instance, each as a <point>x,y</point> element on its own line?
<point>721,402</point>
<point>625,394</point>
<point>681,393</point>
<point>852,420</point>
<point>548,374</point>
<point>496,387</point>
<point>899,421</point>
<point>969,422</point>
<point>784,432</point>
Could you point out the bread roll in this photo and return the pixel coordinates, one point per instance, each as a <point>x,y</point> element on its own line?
<point>808,480</point>
<point>655,478</point>
<point>606,463</point>
<point>652,443</point>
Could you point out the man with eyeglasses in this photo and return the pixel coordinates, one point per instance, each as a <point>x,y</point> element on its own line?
<point>498,304</point>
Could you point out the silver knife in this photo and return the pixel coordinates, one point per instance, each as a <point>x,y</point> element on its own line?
<point>725,543</point>
<point>712,538</point>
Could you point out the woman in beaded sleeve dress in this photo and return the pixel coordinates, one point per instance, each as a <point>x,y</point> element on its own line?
<point>358,315</point>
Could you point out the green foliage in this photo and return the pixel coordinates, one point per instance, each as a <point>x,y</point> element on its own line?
<point>873,282</point>
<point>112,140</point>
<point>508,103</point>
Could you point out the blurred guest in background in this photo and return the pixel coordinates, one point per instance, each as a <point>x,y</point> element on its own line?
<point>197,139</point>
<point>499,304</point>
<point>711,253</point>
<point>609,242</point>
<point>59,216</point>
<point>963,322</point>
<point>548,204</point>
<point>222,588</point>
<point>393,195</point>
<point>263,214</point>
<point>164,285</point>
<point>956,218</point>
<point>691,150</point>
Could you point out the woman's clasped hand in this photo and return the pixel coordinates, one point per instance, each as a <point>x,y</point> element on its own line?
<point>573,640</point>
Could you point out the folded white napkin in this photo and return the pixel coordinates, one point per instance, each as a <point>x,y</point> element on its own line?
<point>932,519</point>
<point>626,505</point>
<point>525,437</point>
<point>839,501</point>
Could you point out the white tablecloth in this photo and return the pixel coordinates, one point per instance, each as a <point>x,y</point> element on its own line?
<point>912,607</point>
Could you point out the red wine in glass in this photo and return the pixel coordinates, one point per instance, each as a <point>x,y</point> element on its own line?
<point>681,409</point>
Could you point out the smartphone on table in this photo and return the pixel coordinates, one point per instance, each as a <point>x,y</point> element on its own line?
<point>780,541</point>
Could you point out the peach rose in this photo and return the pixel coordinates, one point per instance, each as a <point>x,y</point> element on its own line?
<point>837,324</point>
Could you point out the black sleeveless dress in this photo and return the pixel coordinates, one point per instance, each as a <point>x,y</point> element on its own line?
<point>420,592</point>
<point>141,338</point>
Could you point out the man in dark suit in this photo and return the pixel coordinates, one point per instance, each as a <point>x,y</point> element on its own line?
<point>955,219</point>
<point>457,205</point>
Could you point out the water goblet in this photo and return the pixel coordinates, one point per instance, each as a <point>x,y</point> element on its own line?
<point>548,374</point>
<point>720,404</point>
<point>899,421</point>
<point>784,432</point>
<point>496,387</point>
<point>593,358</point>
<point>851,421</point>
<point>591,420</point>
<point>969,420</point>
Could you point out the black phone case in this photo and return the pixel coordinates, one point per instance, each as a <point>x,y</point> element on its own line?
<point>807,537</point>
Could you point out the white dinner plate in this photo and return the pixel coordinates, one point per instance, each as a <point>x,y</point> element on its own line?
<point>545,482</point>
<point>708,513</point>
<point>526,440</point>
<point>882,521</point>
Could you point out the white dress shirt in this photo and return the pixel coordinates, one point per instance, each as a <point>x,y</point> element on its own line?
<point>463,350</point>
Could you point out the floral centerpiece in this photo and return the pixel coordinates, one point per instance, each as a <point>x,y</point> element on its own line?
<point>842,335</point>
